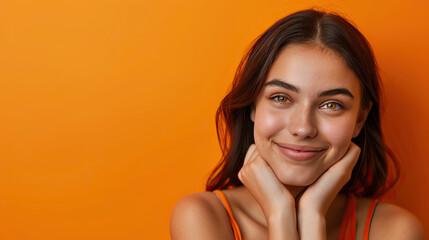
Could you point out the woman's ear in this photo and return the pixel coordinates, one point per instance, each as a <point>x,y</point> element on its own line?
<point>252,113</point>
<point>363,114</point>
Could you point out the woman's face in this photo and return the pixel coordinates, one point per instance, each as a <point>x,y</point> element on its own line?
<point>307,113</point>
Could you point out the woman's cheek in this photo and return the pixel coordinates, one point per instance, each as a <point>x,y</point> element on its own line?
<point>338,133</point>
<point>267,124</point>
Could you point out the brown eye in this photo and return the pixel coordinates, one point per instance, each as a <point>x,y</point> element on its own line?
<point>332,106</point>
<point>281,99</point>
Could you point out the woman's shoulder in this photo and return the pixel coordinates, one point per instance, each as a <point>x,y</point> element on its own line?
<point>393,222</point>
<point>390,221</point>
<point>200,216</point>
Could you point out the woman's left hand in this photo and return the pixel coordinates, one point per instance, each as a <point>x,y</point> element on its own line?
<point>316,199</point>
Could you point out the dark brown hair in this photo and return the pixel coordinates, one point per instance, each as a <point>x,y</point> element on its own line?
<point>328,30</point>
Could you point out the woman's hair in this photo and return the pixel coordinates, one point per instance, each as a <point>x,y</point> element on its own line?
<point>329,31</point>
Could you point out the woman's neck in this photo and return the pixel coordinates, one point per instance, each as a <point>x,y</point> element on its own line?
<point>295,190</point>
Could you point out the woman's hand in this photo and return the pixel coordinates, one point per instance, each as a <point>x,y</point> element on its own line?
<point>277,204</point>
<point>316,199</point>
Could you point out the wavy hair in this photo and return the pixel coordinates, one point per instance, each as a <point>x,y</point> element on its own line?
<point>370,176</point>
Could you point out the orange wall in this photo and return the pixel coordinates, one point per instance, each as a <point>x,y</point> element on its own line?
<point>107,107</point>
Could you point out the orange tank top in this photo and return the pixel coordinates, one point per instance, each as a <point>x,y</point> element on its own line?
<point>348,225</point>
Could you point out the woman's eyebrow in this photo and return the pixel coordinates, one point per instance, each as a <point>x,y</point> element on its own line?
<point>336,91</point>
<point>278,83</point>
<point>327,93</point>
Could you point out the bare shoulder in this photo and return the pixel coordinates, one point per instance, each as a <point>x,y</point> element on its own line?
<point>393,222</point>
<point>200,216</point>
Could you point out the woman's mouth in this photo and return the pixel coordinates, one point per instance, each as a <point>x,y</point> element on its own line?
<point>299,152</point>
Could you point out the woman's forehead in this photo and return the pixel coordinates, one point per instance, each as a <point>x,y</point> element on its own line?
<point>310,67</point>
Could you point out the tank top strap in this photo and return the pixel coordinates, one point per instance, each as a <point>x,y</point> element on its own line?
<point>222,198</point>
<point>369,217</point>
<point>348,224</point>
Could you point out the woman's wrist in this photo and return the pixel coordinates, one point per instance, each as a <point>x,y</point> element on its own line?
<point>282,226</point>
<point>311,225</point>
<point>283,209</point>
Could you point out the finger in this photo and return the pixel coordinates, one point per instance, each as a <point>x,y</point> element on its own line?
<point>354,152</point>
<point>350,159</point>
<point>249,154</point>
<point>341,171</point>
<point>254,155</point>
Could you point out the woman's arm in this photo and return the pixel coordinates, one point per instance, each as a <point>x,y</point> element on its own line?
<point>282,226</point>
<point>276,202</point>
<point>316,199</point>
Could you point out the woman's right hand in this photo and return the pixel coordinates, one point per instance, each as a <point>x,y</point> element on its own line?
<point>277,203</point>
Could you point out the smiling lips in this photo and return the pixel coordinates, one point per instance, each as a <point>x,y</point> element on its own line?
<point>297,152</point>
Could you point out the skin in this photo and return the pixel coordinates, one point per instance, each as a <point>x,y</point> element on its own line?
<point>283,116</point>
<point>299,115</point>
<point>286,198</point>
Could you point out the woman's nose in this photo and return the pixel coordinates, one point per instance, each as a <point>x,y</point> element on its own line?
<point>302,123</point>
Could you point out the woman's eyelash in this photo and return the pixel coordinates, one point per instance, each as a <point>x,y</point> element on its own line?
<point>280,99</point>
<point>332,106</point>
<point>329,105</point>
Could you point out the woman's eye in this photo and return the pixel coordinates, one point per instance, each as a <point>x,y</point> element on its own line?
<point>281,99</point>
<point>332,106</point>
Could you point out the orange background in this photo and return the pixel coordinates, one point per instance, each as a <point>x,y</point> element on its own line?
<point>107,107</point>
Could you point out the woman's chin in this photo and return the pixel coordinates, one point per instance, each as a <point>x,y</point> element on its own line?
<point>297,181</point>
<point>299,175</point>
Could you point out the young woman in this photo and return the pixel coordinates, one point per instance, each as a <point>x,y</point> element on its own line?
<point>303,152</point>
